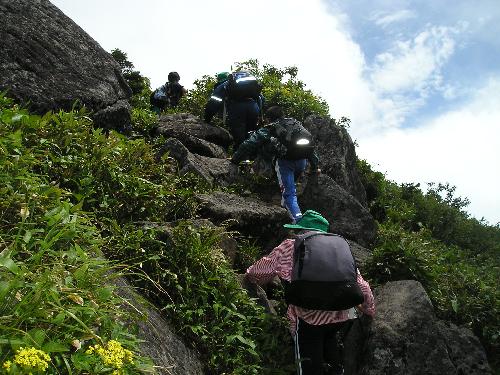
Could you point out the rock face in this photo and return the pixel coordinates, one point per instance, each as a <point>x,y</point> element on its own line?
<point>406,338</point>
<point>346,215</point>
<point>247,215</point>
<point>213,170</point>
<point>174,125</point>
<point>337,154</point>
<point>160,343</point>
<point>48,62</point>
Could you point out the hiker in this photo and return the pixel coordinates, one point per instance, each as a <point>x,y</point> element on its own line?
<point>239,98</point>
<point>321,305</point>
<point>290,146</point>
<point>167,95</point>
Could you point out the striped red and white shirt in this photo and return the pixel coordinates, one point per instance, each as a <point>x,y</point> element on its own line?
<point>279,263</point>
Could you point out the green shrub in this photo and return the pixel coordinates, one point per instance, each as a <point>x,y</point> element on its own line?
<point>189,277</point>
<point>56,293</point>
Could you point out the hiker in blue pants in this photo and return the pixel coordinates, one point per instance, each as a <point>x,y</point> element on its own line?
<point>290,147</point>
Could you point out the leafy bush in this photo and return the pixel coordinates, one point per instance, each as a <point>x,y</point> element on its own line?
<point>57,165</point>
<point>430,238</point>
<point>56,293</point>
<point>193,281</point>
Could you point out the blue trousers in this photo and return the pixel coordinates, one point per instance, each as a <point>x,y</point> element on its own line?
<point>287,171</point>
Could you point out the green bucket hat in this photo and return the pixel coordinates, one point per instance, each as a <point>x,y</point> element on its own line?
<point>222,76</point>
<point>311,220</point>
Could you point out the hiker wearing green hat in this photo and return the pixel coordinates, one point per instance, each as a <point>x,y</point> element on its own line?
<point>323,289</point>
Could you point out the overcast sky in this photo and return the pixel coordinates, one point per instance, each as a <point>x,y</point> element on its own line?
<point>420,80</point>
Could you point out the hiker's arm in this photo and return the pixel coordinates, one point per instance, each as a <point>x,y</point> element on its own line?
<point>215,103</point>
<point>249,149</point>
<point>368,306</point>
<point>266,268</point>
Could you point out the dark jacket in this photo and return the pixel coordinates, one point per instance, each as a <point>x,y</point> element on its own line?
<point>215,104</point>
<point>264,142</point>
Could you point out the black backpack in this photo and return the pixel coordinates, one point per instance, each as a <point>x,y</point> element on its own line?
<point>242,85</point>
<point>324,274</point>
<point>297,140</point>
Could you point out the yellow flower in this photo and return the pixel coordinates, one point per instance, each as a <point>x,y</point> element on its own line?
<point>6,365</point>
<point>114,354</point>
<point>32,358</point>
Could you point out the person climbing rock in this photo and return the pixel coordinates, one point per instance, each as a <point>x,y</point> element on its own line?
<point>289,146</point>
<point>324,293</point>
<point>238,97</point>
<point>167,95</point>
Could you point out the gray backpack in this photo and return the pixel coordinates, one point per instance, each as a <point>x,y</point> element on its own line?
<point>324,274</point>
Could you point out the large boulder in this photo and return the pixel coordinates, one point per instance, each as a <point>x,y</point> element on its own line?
<point>170,125</point>
<point>344,212</point>
<point>361,255</point>
<point>48,62</point>
<point>159,341</point>
<point>406,338</point>
<point>249,215</point>
<point>337,154</point>
<point>214,171</point>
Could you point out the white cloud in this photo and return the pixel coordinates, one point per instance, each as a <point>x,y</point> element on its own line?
<point>387,18</point>
<point>414,65</point>
<point>460,147</point>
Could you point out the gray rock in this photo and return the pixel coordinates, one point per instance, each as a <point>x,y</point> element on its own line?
<point>346,215</point>
<point>337,154</point>
<point>49,62</point>
<point>170,125</point>
<point>250,216</point>
<point>213,170</point>
<point>197,145</point>
<point>361,255</point>
<point>168,352</point>
<point>407,339</point>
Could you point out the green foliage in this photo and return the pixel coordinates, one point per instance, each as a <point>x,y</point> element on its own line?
<point>189,276</point>
<point>56,290</point>
<point>134,79</point>
<point>70,192</point>
<point>430,238</point>
<point>282,87</point>
<point>196,98</point>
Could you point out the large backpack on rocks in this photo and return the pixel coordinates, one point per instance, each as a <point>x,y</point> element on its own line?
<point>297,140</point>
<point>324,274</point>
<point>242,85</point>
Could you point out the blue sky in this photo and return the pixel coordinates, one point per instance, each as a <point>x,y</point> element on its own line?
<point>420,80</point>
<point>468,29</point>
